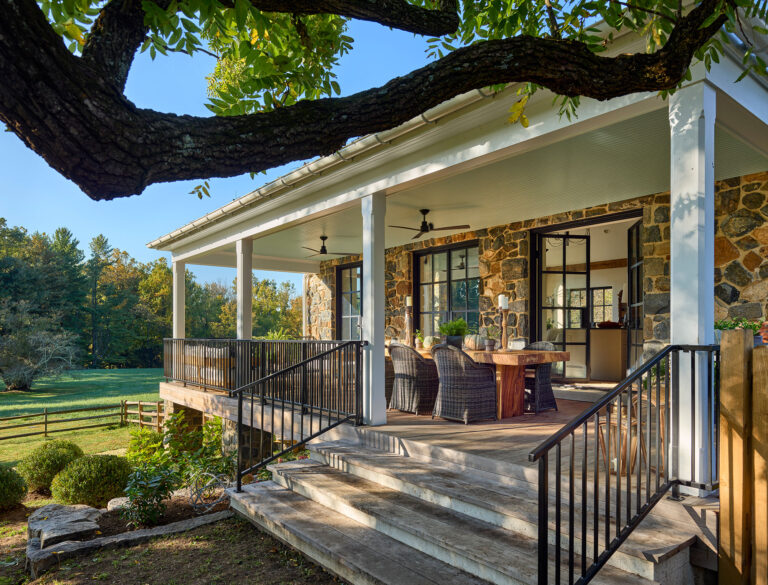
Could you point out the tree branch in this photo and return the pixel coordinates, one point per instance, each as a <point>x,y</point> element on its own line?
<point>89,132</point>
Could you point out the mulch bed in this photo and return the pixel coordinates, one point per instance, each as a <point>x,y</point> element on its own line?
<point>177,508</point>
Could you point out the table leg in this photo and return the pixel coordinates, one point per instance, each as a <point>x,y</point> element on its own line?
<point>511,391</point>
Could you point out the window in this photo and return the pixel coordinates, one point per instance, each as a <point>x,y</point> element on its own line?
<point>602,304</point>
<point>448,283</point>
<point>349,307</point>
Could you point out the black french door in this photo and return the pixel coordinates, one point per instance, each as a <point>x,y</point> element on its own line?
<point>564,300</point>
<point>635,312</point>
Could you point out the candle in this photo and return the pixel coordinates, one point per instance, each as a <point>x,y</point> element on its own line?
<point>503,302</point>
<point>409,301</point>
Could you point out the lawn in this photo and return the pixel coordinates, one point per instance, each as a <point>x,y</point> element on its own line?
<point>83,389</point>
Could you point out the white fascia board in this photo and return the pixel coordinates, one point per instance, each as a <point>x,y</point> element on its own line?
<point>474,139</point>
<point>260,262</point>
<point>751,92</point>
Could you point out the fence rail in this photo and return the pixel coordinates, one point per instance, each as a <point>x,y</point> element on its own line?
<point>154,411</point>
<point>50,418</point>
<point>228,364</point>
<point>615,461</point>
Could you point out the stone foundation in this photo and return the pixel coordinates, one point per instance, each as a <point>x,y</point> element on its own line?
<point>741,260</point>
<point>255,445</point>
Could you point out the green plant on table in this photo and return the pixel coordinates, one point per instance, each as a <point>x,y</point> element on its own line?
<point>456,327</point>
<point>44,463</point>
<point>92,480</point>
<point>148,488</point>
<point>419,335</point>
<point>13,488</point>
<point>740,323</point>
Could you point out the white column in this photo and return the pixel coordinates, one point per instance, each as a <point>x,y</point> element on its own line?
<point>692,112</point>
<point>179,288</point>
<point>374,400</point>
<point>304,307</point>
<point>244,253</point>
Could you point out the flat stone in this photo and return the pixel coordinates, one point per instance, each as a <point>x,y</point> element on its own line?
<point>748,242</point>
<point>727,201</point>
<point>741,222</point>
<point>725,251</point>
<point>514,268</point>
<point>756,292</point>
<point>661,214</point>
<point>761,235</point>
<point>656,303</point>
<point>651,233</point>
<point>763,272</point>
<point>753,200</point>
<point>117,503</point>
<point>727,293</point>
<point>751,261</point>
<point>737,274</point>
<point>56,533</point>
<point>47,517</point>
<point>747,310</point>
<point>749,187</point>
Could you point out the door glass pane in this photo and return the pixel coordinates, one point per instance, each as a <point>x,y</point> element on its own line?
<point>345,330</point>
<point>552,290</point>
<point>346,307</point>
<point>440,267</point>
<point>440,299</point>
<point>425,268</point>
<point>425,324</point>
<point>553,325</point>
<point>426,297</point>
<point>459,295</point>
<point>473,265</point>
<point>473,320</point>
<point>552,254</point>
<point>354,303</point>
<point>576,367</point>
<point>458,264</point>
<point>473,294</point>
<point>575,254</point>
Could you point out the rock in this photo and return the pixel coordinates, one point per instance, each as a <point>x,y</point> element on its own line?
<point>727,202</point>
<point>741,222</point>
<point>661,330</point>
<point>55,523</point>
<point>748,242</point>
<point>756,292</point>
<point>727,293</point>
<point>751,261</point>
<point>656,303</point>
<point>737,274</point>
<point>747,310</point>
<point>514,268</point>
<point>725,251</point>
<point>117,503</point>
<point>661,214</point>
<point>753,200</point>
<point>653,266</point>
<point>761,235</point>
<point>651,233</point>
<point>763,272</point>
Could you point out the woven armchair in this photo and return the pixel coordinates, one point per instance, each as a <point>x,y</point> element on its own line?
<point>538,388</point>
<point>467,389</point>
<point>415,385</point>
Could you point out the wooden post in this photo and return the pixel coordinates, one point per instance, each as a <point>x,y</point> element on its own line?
<point>734,554</point>
<point>45,422</point>
<point>159,419</point>
<point>759,449</point>
<point>141,422</point>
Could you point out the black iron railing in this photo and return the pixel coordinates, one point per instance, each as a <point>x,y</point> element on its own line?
<point>285,409</point>
<point>615,461</point>
<point>228,364</point>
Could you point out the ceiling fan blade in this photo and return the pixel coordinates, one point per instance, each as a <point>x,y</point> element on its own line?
<point>313,255</point>
<point>344,253</point>
<point>405,227</point>
<point>311,250</point>
<point>452,227</point>
<point>417,236</point>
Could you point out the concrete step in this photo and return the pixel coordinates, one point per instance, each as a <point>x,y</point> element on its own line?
<point>358,554</point>
<point>649,552</point>
<point>489,552</point>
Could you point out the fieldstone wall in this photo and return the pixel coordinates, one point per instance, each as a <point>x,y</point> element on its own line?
<point>741,258</point>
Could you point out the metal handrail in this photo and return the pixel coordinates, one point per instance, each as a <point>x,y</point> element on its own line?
<point>640,426</point>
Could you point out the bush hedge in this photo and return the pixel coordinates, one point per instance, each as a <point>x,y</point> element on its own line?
<point>13,488</point>
<point>92,480</point>
<point>41,465</point>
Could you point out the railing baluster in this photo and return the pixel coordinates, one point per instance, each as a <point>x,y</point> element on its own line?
<point>584,501</point>
<point>558,487</point>
<point>543,551</point>
<point>596,489</point>
<point>571,509</point>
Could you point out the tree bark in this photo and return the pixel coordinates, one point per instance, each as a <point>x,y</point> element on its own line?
<point>72,111</point>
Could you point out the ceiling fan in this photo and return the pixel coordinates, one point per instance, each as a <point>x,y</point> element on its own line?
<point>427,227</point>
<point>323,251</point>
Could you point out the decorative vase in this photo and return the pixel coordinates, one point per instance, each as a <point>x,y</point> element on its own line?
<point>454,340</point>
<point>489,344</point>
<point>417,343</point>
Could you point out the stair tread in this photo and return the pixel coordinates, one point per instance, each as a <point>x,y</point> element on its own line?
<point>657,537</point>
<point>499,550</point>
<point>358,547</point>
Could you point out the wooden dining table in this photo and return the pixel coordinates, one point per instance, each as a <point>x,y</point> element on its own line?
<point>510,369</point>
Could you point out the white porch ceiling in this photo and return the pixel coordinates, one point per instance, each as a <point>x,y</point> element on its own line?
<point>624,160</point>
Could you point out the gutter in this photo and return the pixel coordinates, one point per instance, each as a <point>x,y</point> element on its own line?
<point>316,167</point>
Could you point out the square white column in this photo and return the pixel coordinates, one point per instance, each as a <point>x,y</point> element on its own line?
<point>692,113</point>
<point>244,254</point>
<point>374,399</point>
<point>179,307</point>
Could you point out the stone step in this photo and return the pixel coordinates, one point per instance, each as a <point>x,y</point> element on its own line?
<point>648,552</point>
<point>358,554</point>
<point>489,552</point>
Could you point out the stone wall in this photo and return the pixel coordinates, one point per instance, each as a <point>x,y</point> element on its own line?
<point>741,276</point>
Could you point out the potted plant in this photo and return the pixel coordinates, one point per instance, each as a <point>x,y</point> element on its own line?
<point>418,339</point>
<point>741,323</point>
<point>454,331</point>
<point>492,334</point>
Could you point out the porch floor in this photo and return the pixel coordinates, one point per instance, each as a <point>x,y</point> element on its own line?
<point>507,441</point>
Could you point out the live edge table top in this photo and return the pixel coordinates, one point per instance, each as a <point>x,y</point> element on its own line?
<point>512,357</point>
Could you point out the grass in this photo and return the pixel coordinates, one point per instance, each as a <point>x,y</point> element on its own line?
<point>81,390</point>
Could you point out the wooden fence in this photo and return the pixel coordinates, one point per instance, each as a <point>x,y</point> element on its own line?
<point>743,548</point>
<point>48,422</point>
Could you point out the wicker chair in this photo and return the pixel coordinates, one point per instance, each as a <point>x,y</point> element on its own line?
<point>415,380</point>
<point>538,387</point>
<point>467,389</point>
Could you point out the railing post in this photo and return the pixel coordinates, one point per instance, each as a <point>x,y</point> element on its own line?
<point>240,441</point>
<point>45,422</point>
<point>304,398</point>
<point>674,424</point>
<point>543,546</point>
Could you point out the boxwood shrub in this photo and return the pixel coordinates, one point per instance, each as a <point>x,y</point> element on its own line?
<point>13,488</point>
<point>92,480</point>
<point>41,465</point>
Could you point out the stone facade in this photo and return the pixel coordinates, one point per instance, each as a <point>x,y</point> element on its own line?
<point>741,258</point>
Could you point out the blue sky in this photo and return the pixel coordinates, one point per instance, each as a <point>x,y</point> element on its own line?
<point>35,196</point>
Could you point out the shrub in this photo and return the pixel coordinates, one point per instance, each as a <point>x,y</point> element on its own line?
<point>148,487</point>
<point>92,480</point>
<point>145,446</point>
<point>13,488</point>
<point>41,465</point>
